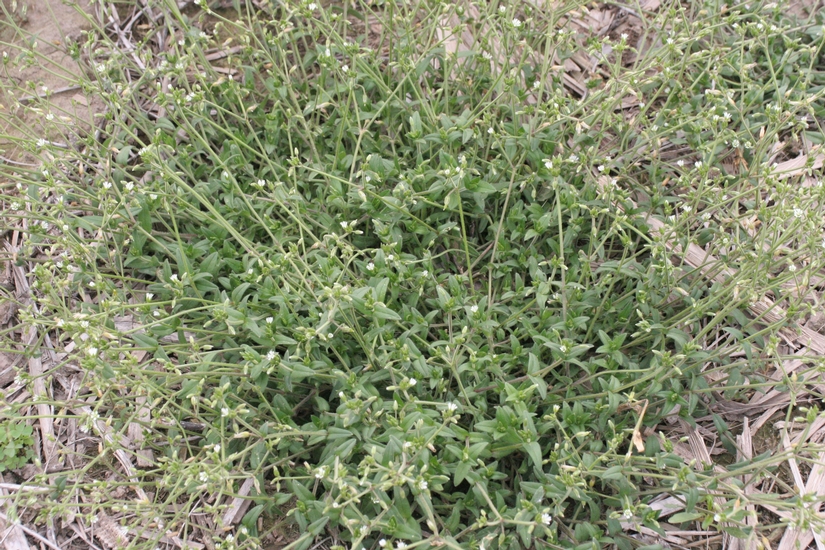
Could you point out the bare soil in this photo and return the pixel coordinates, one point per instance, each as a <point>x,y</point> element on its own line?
<point>48,26</point>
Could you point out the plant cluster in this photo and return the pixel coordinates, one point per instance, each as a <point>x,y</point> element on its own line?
<point>415,292</point>
<point>17,445</point>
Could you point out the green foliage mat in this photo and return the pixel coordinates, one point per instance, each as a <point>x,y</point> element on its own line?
<point>406,291</point>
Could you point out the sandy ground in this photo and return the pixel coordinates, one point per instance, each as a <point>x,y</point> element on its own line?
<point>43,27</point>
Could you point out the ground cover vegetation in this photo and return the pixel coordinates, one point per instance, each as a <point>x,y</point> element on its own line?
<point>421,274</point>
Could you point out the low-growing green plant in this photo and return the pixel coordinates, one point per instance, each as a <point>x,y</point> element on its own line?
<point>16,443</point>
<point>416,292</point>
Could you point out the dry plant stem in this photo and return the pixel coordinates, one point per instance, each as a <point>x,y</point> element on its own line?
<point>31,533</point>
<point>12,534</point>
<point>44,410</point>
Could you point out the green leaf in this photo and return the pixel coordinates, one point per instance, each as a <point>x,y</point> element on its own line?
<point>613,473</point>
<point>533,450</point>
<point>383,312</point>
<point>682,517</point>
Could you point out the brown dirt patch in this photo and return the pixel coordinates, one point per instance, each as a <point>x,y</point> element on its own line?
<point>40,31</point>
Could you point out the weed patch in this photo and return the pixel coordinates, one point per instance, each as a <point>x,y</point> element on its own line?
<point>459,275</point>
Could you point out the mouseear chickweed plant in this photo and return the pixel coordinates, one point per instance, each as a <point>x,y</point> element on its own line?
<point>419,288</point>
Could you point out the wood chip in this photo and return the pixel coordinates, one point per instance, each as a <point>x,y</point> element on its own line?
<point>239,506</point>
<point>797,166</point>
<point>110,533</point>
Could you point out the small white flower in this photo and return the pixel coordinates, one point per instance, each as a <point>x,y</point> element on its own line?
<point>413,382</point>
<point>344,225</point>
<point>407,445</point>
<point>601,168</point>
<point>452,407</point>
<point>312,6</point>
<point>423,485</point>
<point>390,258</point>
<point>382,543</point>
<point>687,208</point>
<point>474,308</point>
<point>516,22</point>
<point>216,448</point>
<point>548,164</point>
<point>425,273</point>
<point>546,519</point>
<point>488,56</point>
<point>717,517</point>
<point>107,185</point>
<point>224,411</point>
<point>50,116</point>
<point>261,183</point>
<point>92,351</point>
<point>370,266</point>
<point>628,513</point>
<point>344,68</point>
<point>792,268</point>
<point>400,545</point>
<point>270,355</point>
<point>41,142</point>
<point>174,278</point>
<point>149,296</point>
<point>129,185</point>
<point>490,130</point>
<point>153,196</point>
<point>327,53</point>
<point>269,320</point>
<point>797,212</point>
